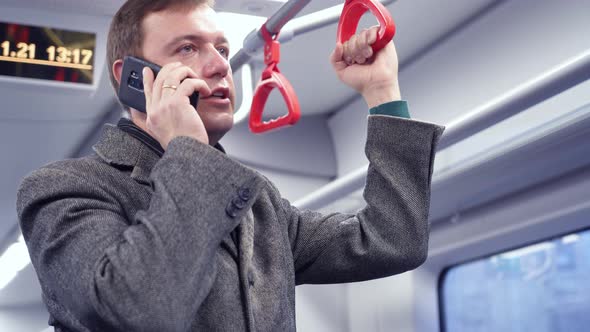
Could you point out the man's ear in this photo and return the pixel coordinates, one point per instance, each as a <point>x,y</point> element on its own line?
<point>118,70</point>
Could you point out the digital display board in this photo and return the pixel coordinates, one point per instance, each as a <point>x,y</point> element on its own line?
<point>46,53</point>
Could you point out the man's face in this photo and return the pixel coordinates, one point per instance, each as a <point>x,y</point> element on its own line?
<point>194,38</point>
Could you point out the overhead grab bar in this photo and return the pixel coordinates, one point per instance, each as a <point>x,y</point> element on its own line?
<point>254,42</point>
<point>547,85</point>
<point>272,79</point>
<point>352,12</point>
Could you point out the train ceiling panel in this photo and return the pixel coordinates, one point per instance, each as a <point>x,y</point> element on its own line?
<point>110,7</point>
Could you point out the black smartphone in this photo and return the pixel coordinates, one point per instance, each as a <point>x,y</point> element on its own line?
<point>131,87</point>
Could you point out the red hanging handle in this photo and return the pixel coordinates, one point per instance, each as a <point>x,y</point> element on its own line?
<point>351,15</point>
<point>272,79</point>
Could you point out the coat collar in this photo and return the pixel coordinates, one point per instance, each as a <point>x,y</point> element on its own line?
<point>119,149</point>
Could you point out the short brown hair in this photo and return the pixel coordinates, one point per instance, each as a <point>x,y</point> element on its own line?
<point>126,31</point>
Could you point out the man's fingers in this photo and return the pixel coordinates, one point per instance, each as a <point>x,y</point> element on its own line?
<point>362,40</point>
<point>372,35</point>
<point>148,82</point>
<point>178,75</point>
<point>336,57</point>
<point>190,85</point>
<point>159,80</point>
<point>169,79</point>
<point>349,47</point>
<point>358,48</point>
<point>337,54</point>
<point>175,78</point>
<point>361,52</point>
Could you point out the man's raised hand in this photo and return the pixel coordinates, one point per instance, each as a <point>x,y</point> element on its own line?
<point>374,76</point>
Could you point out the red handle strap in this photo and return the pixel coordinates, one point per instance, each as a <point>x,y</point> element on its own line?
<point>351,15</point>
<point>271,79</point>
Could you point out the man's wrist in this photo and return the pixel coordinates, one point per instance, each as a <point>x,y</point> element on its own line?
<point>378,96</point>
<point>398,108</point>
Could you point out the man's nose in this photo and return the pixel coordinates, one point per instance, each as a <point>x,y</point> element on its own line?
<point>215,64</point>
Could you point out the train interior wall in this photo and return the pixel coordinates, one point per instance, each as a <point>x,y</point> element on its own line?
<point>498,49</point>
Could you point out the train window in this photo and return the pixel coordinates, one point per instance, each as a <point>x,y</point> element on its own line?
<point>540,287</point>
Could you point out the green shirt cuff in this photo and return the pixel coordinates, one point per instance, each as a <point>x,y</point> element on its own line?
<point>397,108</point>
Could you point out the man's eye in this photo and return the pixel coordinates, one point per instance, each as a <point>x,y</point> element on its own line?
<point>224,51</point>
<point>186,49</point>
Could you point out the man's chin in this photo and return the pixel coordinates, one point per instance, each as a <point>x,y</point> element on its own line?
<point>217,125</point>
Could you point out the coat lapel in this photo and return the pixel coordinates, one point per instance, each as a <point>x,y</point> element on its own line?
<point>246,243</point>
<point>122,150</point>
<point>246,251</point>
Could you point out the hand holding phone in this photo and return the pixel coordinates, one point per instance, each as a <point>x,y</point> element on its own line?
<point>165,97</point>
<point>131,90</point>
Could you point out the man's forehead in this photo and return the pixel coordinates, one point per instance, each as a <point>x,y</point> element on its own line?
<point>174,22</point>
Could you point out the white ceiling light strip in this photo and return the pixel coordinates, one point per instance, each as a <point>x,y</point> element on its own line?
<point>14,259</point>
<point>247,95</point>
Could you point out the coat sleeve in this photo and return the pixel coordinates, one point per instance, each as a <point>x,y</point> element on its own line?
<point>149,274</point>
<point>389,235</point>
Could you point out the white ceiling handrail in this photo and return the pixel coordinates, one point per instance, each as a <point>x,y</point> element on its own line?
<point>542,87</point>
<point>247,94</point>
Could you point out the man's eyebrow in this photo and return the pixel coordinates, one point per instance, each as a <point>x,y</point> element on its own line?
<point>196,39</point>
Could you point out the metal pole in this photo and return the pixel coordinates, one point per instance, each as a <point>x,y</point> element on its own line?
<point>547,85</point>
<point>254,41</point>
<point>551,83</point>
<point>334,190</point>
<point>285,14</point>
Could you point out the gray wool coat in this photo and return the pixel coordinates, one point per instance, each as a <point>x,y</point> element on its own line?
<point>123,240</point>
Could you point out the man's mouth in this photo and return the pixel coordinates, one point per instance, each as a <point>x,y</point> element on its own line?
<point>219,98</point>
<point>218,93</point>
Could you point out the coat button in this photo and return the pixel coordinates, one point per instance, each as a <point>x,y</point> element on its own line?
<point>238,203</point>
<point>245,194</point>
<point>231,210</point>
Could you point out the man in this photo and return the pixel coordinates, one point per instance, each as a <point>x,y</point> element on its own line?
<point>160,231</point>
